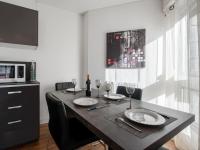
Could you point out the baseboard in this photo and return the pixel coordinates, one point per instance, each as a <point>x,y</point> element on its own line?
<point>44,120</point>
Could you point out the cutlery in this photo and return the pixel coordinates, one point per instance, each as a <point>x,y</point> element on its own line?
<point>97,107</point>
<point>130,125</point>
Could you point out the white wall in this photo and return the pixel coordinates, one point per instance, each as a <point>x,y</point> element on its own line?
<point>144,14</point>
<point>58,54</point>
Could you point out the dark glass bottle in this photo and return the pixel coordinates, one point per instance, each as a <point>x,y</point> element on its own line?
<point>88,91</point>
<point>33,71</point>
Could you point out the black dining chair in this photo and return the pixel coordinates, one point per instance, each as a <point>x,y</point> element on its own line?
<point>63,85</point>
<point>68,133</point>
<point>137,94</point>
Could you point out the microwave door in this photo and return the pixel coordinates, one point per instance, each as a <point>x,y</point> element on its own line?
<point>2,72</point>
<point>7,73</point>
<point>10,72</point>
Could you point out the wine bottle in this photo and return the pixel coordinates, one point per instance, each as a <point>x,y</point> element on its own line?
<point>88,91</point>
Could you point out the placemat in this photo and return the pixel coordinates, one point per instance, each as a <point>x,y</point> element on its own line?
<point>146,130</point>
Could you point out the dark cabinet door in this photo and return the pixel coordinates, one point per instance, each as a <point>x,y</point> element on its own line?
<point>19,115</point>
<point>18,25</point>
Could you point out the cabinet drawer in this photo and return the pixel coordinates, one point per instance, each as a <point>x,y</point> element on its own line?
<point>16,137</point>
<point>14,120</point>
<point>12,92</point>
<point>14,98</point>
<point>19,115</point>
<point>17,104</point>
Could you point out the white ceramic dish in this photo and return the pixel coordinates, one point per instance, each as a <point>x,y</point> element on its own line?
<point>113,96</point>
<point>144,116</point>
<point>85,102</point>
<point>72,90</point>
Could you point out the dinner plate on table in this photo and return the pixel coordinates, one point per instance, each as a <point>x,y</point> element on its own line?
<point>85,101</point>
<point>113,96</point>
<point>72,90</point>
<point>145,117</point>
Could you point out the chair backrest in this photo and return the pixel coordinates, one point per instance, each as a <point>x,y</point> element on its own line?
<point>63,85</point>
<point>58,124</point>
<point>137,94</point>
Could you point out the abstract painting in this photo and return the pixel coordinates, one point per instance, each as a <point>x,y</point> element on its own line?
<point>126,49</point>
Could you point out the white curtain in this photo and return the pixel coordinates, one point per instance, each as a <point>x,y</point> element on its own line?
<point>181,84</point>
<point>186,68</point>
<point>171,75</point>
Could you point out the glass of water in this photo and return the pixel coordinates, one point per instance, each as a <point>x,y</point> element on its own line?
<point>130,89</point>
<point>74,81</point>
<point>98,85</point>
<point>107,87</point>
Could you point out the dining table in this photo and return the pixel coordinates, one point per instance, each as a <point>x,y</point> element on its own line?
<point>118,135</point>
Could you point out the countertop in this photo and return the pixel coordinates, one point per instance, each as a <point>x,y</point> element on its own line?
<point>13,84</point>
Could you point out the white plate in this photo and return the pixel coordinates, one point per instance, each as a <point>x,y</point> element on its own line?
<point>84,101</point>
<point>72,90</point>
<point>144,116</point>
<point>114,96</point>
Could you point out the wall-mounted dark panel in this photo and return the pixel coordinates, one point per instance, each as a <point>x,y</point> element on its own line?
<point>18,25</point>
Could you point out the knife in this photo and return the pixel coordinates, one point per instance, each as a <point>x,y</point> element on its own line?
<point>128,124</point>
<point>97,107</point>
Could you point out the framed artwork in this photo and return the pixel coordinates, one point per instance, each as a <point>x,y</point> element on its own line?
<point>126,49</point>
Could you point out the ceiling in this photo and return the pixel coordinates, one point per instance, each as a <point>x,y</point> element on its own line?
<point>81,6</point>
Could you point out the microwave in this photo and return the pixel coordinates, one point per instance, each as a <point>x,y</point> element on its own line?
<point>11,72</point>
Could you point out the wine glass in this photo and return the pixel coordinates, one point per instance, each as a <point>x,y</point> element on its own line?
<point>74,83</point>
<point>130,89</point>
<point>107,88</point>
<point>98,84</point>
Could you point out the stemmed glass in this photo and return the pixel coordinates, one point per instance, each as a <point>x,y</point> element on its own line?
<point>74,83</point>
<point>130,89</point>
<point>107,88</point>
<point>98,84</point>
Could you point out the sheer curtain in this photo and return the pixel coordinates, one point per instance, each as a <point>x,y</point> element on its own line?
<point>181,84</point>
<point>186,68</point>
<point>171,75</point>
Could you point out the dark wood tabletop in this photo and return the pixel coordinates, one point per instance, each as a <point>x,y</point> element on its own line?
<point>118,138</point>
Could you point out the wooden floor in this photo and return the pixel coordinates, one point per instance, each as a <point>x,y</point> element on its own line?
<point>46,143</point>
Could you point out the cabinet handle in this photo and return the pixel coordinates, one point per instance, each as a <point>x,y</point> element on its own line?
<point>15,107</point>
<point>14,122</point>
<point>14,92</point>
